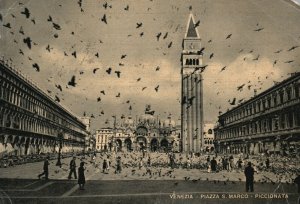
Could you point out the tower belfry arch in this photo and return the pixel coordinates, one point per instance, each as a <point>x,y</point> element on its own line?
<point>191,90</point>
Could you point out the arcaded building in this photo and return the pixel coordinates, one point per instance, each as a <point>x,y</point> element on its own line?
<point>267,123</point>
<point>31,122</point>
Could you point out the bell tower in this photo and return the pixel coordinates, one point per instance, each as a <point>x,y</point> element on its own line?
<point>191,90</point>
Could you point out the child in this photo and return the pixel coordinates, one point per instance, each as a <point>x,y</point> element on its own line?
<point>81,177</point>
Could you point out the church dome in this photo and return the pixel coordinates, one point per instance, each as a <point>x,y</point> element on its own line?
<point>147,119</point>
<point>169,122</point>
<point>129,121</point>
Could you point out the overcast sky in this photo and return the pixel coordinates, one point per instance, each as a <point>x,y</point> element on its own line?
<point>260,29</point>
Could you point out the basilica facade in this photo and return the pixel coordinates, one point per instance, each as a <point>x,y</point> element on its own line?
<point>144,132</point>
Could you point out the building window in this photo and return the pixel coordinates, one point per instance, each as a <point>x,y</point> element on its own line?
<point>297,91</point>
<point>269,102</point>
<point>281,96</point>
<point>187,62</point>
<point>282,121</point>
<point>290,119</point>
<point>8,121</point>
<point>288,94</point>
<point>297,119</point>
<point>275,100</point>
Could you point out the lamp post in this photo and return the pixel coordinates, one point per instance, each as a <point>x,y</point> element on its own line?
<point>59,139</point>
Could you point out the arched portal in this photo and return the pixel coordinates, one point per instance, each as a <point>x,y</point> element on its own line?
<point>128,144</point>
<point>164,145</point>
<point>141,143</point>
<point>154,145</point>
<point>141,131</point>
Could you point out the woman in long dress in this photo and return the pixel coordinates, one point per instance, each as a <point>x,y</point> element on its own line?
<point>81,177</point>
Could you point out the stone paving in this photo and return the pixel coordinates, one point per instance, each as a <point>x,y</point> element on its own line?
<point>20,184</point>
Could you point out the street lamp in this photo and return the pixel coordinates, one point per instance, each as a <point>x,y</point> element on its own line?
<point>59,139</point>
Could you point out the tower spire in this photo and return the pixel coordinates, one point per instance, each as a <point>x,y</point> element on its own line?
<point>191,31</point>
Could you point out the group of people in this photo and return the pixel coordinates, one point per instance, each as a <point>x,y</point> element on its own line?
<point>81,169</point>
<point>171,160</point>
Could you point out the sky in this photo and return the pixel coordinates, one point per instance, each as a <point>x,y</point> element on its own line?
<point>296,1</point>
<point>257,53</point>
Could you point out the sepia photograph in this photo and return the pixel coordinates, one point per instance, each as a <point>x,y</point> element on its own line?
<point>150,101</point>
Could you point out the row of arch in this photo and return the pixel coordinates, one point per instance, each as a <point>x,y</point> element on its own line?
<point>192,62</point>
<point>20,121</point>
<point>21,145</point>
<point>22,94</point>
<point>141,143</point>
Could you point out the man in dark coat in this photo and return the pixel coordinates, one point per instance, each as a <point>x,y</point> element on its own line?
<point>268,163</point>
<point>249,173</point>
<point>213,164</point>
<point>45,168</point>
<point>297,181</point>
<point>72,168</point>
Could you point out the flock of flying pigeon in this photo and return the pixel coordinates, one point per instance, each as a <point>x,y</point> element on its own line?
<point>21,38</point>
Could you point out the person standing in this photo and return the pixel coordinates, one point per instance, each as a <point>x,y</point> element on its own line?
<point>108,163</point>
<point>143,151</point>
<point>297,181</point>
<point>81,177</point>
<point>268,163</point>
<point>213,165</point>
<point>188,163</point>
<point>227,164</point>
<point>45,168</point>
<point>208,159</point>
<point>104,166</point>
<point>231,162</point>
<point>240,163</point>
<point>72,168</point>
<point>119,165</point>
<point>249,173</point>
<point>149,161</point>
<point>223,163</point>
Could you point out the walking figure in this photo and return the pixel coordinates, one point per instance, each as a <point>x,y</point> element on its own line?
<point>72,168</point>
<point>104,166</point>
<point>81,177</point>
<point>45,168</point>
<point>149,161</point>
<point>249,173</point>
<point>119,165</point>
